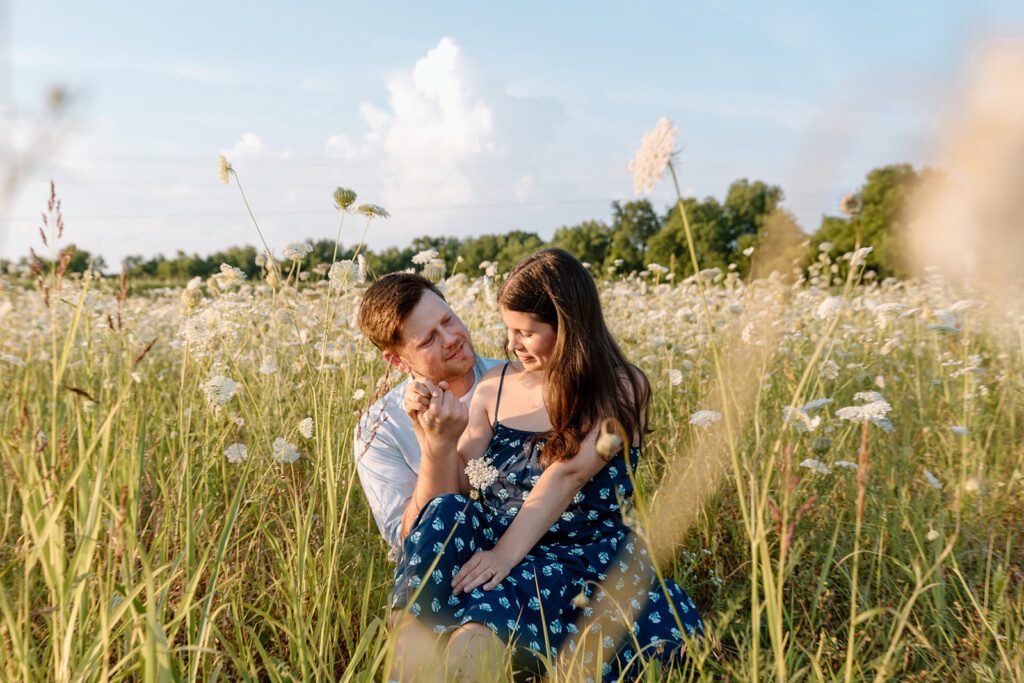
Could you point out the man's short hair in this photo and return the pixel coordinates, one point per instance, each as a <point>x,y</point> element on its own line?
<point>386,305</point>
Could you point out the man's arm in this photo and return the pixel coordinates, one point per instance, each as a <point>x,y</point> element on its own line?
<point>385,475</point>
<point>440,423</point>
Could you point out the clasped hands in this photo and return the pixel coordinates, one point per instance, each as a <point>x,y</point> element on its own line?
<point>435,410</point>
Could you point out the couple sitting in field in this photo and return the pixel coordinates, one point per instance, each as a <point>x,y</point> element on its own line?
<point>488,480</point>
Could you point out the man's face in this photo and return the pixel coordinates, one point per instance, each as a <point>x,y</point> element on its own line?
<point>435,344</point>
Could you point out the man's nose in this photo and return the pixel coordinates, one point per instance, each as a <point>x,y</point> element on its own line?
<point>447,338</point>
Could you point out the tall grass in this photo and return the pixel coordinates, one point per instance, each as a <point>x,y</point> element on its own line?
<point>130,547</point>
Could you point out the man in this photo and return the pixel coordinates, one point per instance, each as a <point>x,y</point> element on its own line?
<point>408,319</point>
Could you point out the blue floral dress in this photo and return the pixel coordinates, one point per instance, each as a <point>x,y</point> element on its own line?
<point>555,591</point>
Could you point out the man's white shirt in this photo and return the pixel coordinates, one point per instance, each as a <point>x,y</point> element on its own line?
<point>388,455</point>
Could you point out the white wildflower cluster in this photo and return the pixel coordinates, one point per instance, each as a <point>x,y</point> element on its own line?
<point>828,308</point>
<point>873,409</point>
<point>800,420</point>
<point>229,275</point>
<point>216,325</point>
<point>236,453</point>
<point>424,257</point>
<point>705,418</point>
<point>296,251</point>
<point>284,452</point>
<point>219,390</point>
<point>828,369</point>
<point>490,268</point>
<point>654,155</point>
<point>306,428</point>
<point>481,473</point>
<point>344,274</point>
<point>815,465</point>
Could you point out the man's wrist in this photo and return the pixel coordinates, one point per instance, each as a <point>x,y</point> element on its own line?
<point>439,445</point>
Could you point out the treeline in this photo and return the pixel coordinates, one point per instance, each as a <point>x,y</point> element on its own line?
<point>749,219</point>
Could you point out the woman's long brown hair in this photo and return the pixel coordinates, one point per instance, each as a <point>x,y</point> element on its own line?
<point>589,379</point>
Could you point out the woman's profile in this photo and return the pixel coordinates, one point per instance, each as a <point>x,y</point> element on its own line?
<point>524,568</point>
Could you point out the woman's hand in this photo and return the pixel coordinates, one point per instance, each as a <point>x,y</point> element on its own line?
<point>487,567</point>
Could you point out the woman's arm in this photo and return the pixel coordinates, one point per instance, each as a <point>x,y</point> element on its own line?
<point>474,441</point>
<point>547,501</point>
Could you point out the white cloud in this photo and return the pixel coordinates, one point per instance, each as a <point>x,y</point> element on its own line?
<point>438,121</point>
<point>340,146</point>
<point>447,136</point>
<point>249,145</point>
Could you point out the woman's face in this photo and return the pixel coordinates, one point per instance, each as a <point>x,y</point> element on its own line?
<point>532,341</point>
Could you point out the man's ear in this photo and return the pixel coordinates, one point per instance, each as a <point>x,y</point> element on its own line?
<point>395,361</point>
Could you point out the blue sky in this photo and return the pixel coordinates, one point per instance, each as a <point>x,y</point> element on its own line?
<point>462,118</point>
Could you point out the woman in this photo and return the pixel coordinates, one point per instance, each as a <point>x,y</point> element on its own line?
<point>526,561</point>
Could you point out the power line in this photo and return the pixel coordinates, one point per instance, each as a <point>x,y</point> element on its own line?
<point>323,212</point>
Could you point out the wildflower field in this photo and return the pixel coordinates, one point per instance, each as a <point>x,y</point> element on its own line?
<point>835,474</point>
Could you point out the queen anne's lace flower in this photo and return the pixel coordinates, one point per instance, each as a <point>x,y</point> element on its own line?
<point>705,418</point>
<point>372,210</point>
<point>481,474</point>
<point>828,308</point>
<point>284,452</point>
<point>230,274</point>
<point>297,250</point>
<point>223,169</point>
<point>816,465</point>
<point>850,204</point>
<point>860,256</point>
<point>236,453</point>
<point>343,274</point>
<point>306,428</point>
<point>219,390</point>
<point>653,156</point>
<point>434,270</point>
<point>424,257</point>
<point>344,198</point>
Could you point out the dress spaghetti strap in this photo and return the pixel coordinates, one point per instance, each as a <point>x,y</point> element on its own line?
<point>497,400</point>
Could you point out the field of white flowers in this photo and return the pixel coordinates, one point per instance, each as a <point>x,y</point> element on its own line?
<point>836,475</point>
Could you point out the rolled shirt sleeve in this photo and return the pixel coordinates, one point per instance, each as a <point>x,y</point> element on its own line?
<point>386,453</point>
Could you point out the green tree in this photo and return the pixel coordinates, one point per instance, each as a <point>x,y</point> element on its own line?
<point>711,237</point>
<point>881,221</point>
<point>588,241</point>
<point>746,207</point>
<point>633,224</point>
<point>508,249</point>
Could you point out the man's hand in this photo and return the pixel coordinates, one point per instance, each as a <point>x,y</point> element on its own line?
<point>417,398</point>
<point>445,418</point>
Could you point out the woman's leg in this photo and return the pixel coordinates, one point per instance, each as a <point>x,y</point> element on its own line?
<point>416,651</point>
<point>449,530</point>
<point>475,653</point>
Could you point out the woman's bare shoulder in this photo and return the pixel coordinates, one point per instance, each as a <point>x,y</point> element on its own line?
<point>488,383</point>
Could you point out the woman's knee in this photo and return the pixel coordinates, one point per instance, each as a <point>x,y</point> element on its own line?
<point>444,504</point>
<point>472,629</point>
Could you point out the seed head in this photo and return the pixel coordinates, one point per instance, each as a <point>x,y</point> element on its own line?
<point>851,204</point>
<point>344,198</point>
<point>372,210</point>
<point>609,442</point>
<point>223,169</point>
